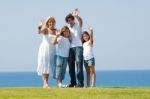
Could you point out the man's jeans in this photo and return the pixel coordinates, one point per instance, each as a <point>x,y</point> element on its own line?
<point>76,57</point>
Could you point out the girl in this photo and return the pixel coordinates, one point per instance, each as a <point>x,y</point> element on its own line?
<point>62,52</point>
<point>89,61</point>
<point>46,50</point>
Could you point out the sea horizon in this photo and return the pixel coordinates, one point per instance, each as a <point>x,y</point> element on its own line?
<point>105,78</point>
<point>84,70</point>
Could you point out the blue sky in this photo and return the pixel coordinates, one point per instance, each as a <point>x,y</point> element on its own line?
<point>121,31</point>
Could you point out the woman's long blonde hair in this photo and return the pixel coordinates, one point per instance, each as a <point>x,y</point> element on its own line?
<point>51,18</point>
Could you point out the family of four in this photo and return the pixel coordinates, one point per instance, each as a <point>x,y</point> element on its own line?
<point>68,46</point>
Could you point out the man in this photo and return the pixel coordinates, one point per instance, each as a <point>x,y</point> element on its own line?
<point>76,50</point>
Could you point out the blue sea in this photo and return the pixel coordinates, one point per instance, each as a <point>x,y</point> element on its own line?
<point>136,78</point>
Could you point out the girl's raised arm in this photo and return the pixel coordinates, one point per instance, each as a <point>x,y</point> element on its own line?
<point>91,35</point>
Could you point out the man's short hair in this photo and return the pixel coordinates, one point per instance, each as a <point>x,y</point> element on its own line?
<point>69,16</point>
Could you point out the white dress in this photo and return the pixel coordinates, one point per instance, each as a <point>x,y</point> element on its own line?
<point>46,54</point>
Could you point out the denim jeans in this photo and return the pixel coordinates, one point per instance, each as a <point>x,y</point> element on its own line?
<point>89,62</point>
<point>61,64</point>
<point>76,57</point>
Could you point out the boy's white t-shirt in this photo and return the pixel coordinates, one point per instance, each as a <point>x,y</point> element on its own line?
<point>87,51</point>
<point>76,34</point>
<point>63,46</point>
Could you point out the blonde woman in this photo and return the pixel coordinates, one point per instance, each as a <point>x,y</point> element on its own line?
<point>46,53</point>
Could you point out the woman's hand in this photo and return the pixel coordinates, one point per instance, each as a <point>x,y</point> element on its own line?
<point>40,23</point>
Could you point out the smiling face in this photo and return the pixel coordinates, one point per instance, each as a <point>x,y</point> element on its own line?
<point>65,32</point>
<point>51,23</point>
<point>85,37</point>
<point>71,21</point>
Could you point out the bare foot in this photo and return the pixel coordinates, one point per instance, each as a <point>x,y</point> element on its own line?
<point>46,86</point>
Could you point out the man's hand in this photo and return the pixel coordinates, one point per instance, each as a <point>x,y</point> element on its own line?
<point>75,12</point>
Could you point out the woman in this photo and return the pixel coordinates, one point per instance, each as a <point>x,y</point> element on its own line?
<point>46,53</point>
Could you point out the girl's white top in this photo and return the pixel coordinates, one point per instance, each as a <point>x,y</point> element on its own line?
<point>87,51</point>
<point>63,46</point>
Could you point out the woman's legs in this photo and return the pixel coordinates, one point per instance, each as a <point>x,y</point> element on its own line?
<point>93,75</point>
<point>45,80</point>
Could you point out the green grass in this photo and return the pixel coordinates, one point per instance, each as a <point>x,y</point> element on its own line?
<point>75,93</point>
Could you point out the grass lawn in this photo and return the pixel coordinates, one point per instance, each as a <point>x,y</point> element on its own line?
<point>75,93</point>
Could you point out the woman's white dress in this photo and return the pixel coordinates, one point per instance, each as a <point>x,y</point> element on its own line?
<point>46,54</point>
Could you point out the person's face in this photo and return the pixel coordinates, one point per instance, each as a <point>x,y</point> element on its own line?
<point>51,24</point>
<point>86,37</point>
<point>71,22</point>
<point>67,33</point>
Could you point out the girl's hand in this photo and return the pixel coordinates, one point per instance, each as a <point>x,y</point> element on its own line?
<point>40,23</point>
<point>58,33</point>
<point>75,12</point>
<point>90,28</point>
